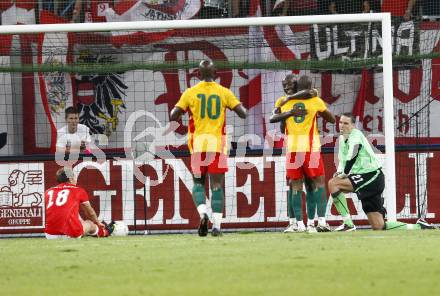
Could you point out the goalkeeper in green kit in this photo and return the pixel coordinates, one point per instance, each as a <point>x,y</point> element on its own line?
<point>360,171</point>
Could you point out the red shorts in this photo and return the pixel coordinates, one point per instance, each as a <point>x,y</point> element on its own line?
<point>299,164</point>
<point>209,162</point>
<point>73,228</point>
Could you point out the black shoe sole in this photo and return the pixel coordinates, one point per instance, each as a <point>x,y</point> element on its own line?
<point>426,227</point>
<point>216,233</point>
<point>203,227</point>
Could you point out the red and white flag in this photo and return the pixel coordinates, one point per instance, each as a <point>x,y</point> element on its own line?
<point>143,10</point>
<point>365,94</point>
<point>251,94</point>
<point>7,129</point>
<point>17,12</point>
<point>55,88</point>
<point>13,12</point>
<point>94,11</point>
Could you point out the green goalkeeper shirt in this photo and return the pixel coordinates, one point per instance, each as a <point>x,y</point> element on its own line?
<point>356,156</point>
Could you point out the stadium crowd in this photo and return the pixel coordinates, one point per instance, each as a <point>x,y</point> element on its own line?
<point>94,10</point>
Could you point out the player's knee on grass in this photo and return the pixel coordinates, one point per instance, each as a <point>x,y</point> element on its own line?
<point>372,205</point>
<point>376,220</point>
<point>383,211</point>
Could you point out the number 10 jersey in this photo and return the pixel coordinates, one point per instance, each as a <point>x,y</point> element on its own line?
<point>206,103</point>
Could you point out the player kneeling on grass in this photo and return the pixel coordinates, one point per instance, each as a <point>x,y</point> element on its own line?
<point>62,210</point>
<point>206,104</point>
<point>359,171</point>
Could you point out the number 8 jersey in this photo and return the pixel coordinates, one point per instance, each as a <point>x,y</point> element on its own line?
<point>206,103</point>
<point>302,131</point>
<point>62,209</point>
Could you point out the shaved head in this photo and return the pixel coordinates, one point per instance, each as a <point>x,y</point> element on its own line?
<point>304,82</point>
<point>207,70</point>
<point>289,77</point>
<point>289,84</point>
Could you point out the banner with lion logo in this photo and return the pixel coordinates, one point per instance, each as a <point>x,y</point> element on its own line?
<point>21,195</point>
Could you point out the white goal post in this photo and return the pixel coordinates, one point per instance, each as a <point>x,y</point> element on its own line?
<point>383,18</point>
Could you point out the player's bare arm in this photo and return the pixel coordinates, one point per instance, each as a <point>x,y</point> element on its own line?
<point>90,213</point>
<point>240,111</point>
<point>282,126</point>
<point>328,116</point>
<point>176,113</point>
<point>278,116</point>
<point>302,95</point>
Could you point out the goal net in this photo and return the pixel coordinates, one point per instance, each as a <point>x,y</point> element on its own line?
<point>125,77</point>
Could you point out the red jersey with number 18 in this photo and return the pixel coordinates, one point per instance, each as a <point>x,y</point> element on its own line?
<point>62,209</point>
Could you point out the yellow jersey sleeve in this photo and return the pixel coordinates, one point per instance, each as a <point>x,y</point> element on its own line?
<point>183,102</point>
<point>320,105</point>
<point>278,102</point>
<point>231,99</point>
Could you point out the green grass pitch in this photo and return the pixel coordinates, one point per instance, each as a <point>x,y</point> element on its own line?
<point>361,263</point>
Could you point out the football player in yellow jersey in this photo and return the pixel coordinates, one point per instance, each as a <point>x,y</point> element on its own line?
<point>303,158</point>
<point>206,104</point>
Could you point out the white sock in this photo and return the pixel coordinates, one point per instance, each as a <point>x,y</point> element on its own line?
<point>301,224</point>
<point>321,221</point>
<point>202,210</point>
<point>292,221</point>
<point>410,226</point>
<point>217,220</point>
<point>311,222</point>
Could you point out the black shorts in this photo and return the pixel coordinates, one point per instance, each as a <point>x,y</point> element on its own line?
<point>369,188</point>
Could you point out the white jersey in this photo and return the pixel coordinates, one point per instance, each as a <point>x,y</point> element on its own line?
<point>64,138</point>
